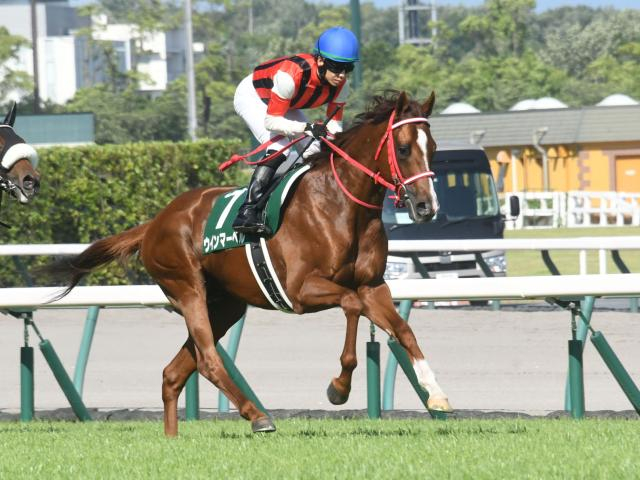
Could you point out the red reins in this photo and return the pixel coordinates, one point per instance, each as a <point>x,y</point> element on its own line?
<point>243,158</point>
<point>399,181</point>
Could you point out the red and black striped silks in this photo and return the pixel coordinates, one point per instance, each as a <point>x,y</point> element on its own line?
<point>309,92</point>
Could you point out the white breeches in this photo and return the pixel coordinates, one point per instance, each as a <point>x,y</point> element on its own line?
<point>253,111</point>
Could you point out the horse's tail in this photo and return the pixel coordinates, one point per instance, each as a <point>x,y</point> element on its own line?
<point>102,252</point>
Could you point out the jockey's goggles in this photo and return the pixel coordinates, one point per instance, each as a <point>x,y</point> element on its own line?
<point>338,67</point>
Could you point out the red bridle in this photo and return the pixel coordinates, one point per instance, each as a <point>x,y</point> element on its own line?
<point>399,181</point>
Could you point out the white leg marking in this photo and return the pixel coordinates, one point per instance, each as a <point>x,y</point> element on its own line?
<point>427,379</point>
<point>422,143</point>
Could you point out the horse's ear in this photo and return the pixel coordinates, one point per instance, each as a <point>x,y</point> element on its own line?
<point>401,103</point>
<point>11,116</point>
<point>427,106</point>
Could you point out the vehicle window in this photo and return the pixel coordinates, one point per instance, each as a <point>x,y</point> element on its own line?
<point>466,194</point>
<point>487,196</point>
<point>460,194</point>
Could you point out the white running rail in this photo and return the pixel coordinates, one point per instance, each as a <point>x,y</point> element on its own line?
<point>497,288</point>
<point>531,287</point>
<point>582,244</point>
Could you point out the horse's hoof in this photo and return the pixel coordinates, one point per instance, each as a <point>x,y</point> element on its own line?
<point>439,404</point>
<point>335,397</point>
<point>263,425</point>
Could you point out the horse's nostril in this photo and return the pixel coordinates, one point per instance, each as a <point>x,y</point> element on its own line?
<point>30,185</point>
<point>423,208</point>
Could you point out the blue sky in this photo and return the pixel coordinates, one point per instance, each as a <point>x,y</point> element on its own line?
<point>541,4</point>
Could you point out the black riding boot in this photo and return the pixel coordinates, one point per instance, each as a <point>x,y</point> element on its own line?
<point>249,219</point>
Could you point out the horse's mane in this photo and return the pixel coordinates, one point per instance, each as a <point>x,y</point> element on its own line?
<point>378,110</point>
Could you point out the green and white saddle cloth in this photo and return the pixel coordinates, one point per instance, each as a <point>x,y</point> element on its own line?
<point>218,233</point>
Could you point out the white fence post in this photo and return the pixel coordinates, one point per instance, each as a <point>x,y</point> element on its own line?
<point>602,260</point>
<point>576,209</point>
<point>583,262</point>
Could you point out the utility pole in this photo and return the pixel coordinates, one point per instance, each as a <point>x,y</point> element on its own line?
<point>355,27</point>
<point>191,83</point>
<point>34,44</point>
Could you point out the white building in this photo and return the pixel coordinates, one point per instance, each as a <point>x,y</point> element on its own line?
<point>144,52</point>
<point>67,61</point>
<point>56,53</point>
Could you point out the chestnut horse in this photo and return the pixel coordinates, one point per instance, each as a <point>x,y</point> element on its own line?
<point>18,161</point>
<point>329,251</point>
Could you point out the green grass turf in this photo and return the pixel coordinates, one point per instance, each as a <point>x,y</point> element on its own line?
<point>318,449</point>
<point>521,263</point>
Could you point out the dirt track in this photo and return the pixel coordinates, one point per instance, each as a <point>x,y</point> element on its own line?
<point>500,361</point>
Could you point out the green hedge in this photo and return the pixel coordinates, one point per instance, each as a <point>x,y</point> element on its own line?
<point>94,191</point>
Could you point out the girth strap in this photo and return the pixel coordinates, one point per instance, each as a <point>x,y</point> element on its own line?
<point>265,275</point>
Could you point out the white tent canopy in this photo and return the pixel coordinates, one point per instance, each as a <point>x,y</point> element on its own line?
<point>617,99</point>
<point>459,108</point>
<point>543,103</point>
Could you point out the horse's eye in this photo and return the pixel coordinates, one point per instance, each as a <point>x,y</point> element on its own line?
<point>404,150</point>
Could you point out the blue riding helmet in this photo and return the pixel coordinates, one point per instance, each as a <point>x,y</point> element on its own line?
<point>338,44</point>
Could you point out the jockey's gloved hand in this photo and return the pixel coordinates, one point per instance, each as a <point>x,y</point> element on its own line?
<point>316,130</point>
<point>313,148</point>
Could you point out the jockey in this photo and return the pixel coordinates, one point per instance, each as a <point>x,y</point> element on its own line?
<point>270,101</point>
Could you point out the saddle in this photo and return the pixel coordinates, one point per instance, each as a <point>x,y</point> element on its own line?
<point>219,234</point>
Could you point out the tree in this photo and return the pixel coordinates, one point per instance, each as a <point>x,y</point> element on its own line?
<point>378,25</point>
<point>13,82</point>
<point>131,116</point>
<point>451,42</point>
<point>491,56</point>
<point>501,27</point>
<point>607,75</point>
<point>215,84</point>
<point>148,15</point>
<point>574,46</point>
<point>498,83</point>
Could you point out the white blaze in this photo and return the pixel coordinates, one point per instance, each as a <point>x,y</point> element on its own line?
<point>422,143</point>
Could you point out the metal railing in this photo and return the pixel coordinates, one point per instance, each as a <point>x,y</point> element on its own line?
<point>575,208</point>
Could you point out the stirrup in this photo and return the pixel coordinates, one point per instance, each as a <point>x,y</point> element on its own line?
<point>257,229</point>
<point>248,221</point>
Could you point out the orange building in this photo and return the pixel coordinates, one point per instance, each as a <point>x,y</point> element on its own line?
<point>590,149</point>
